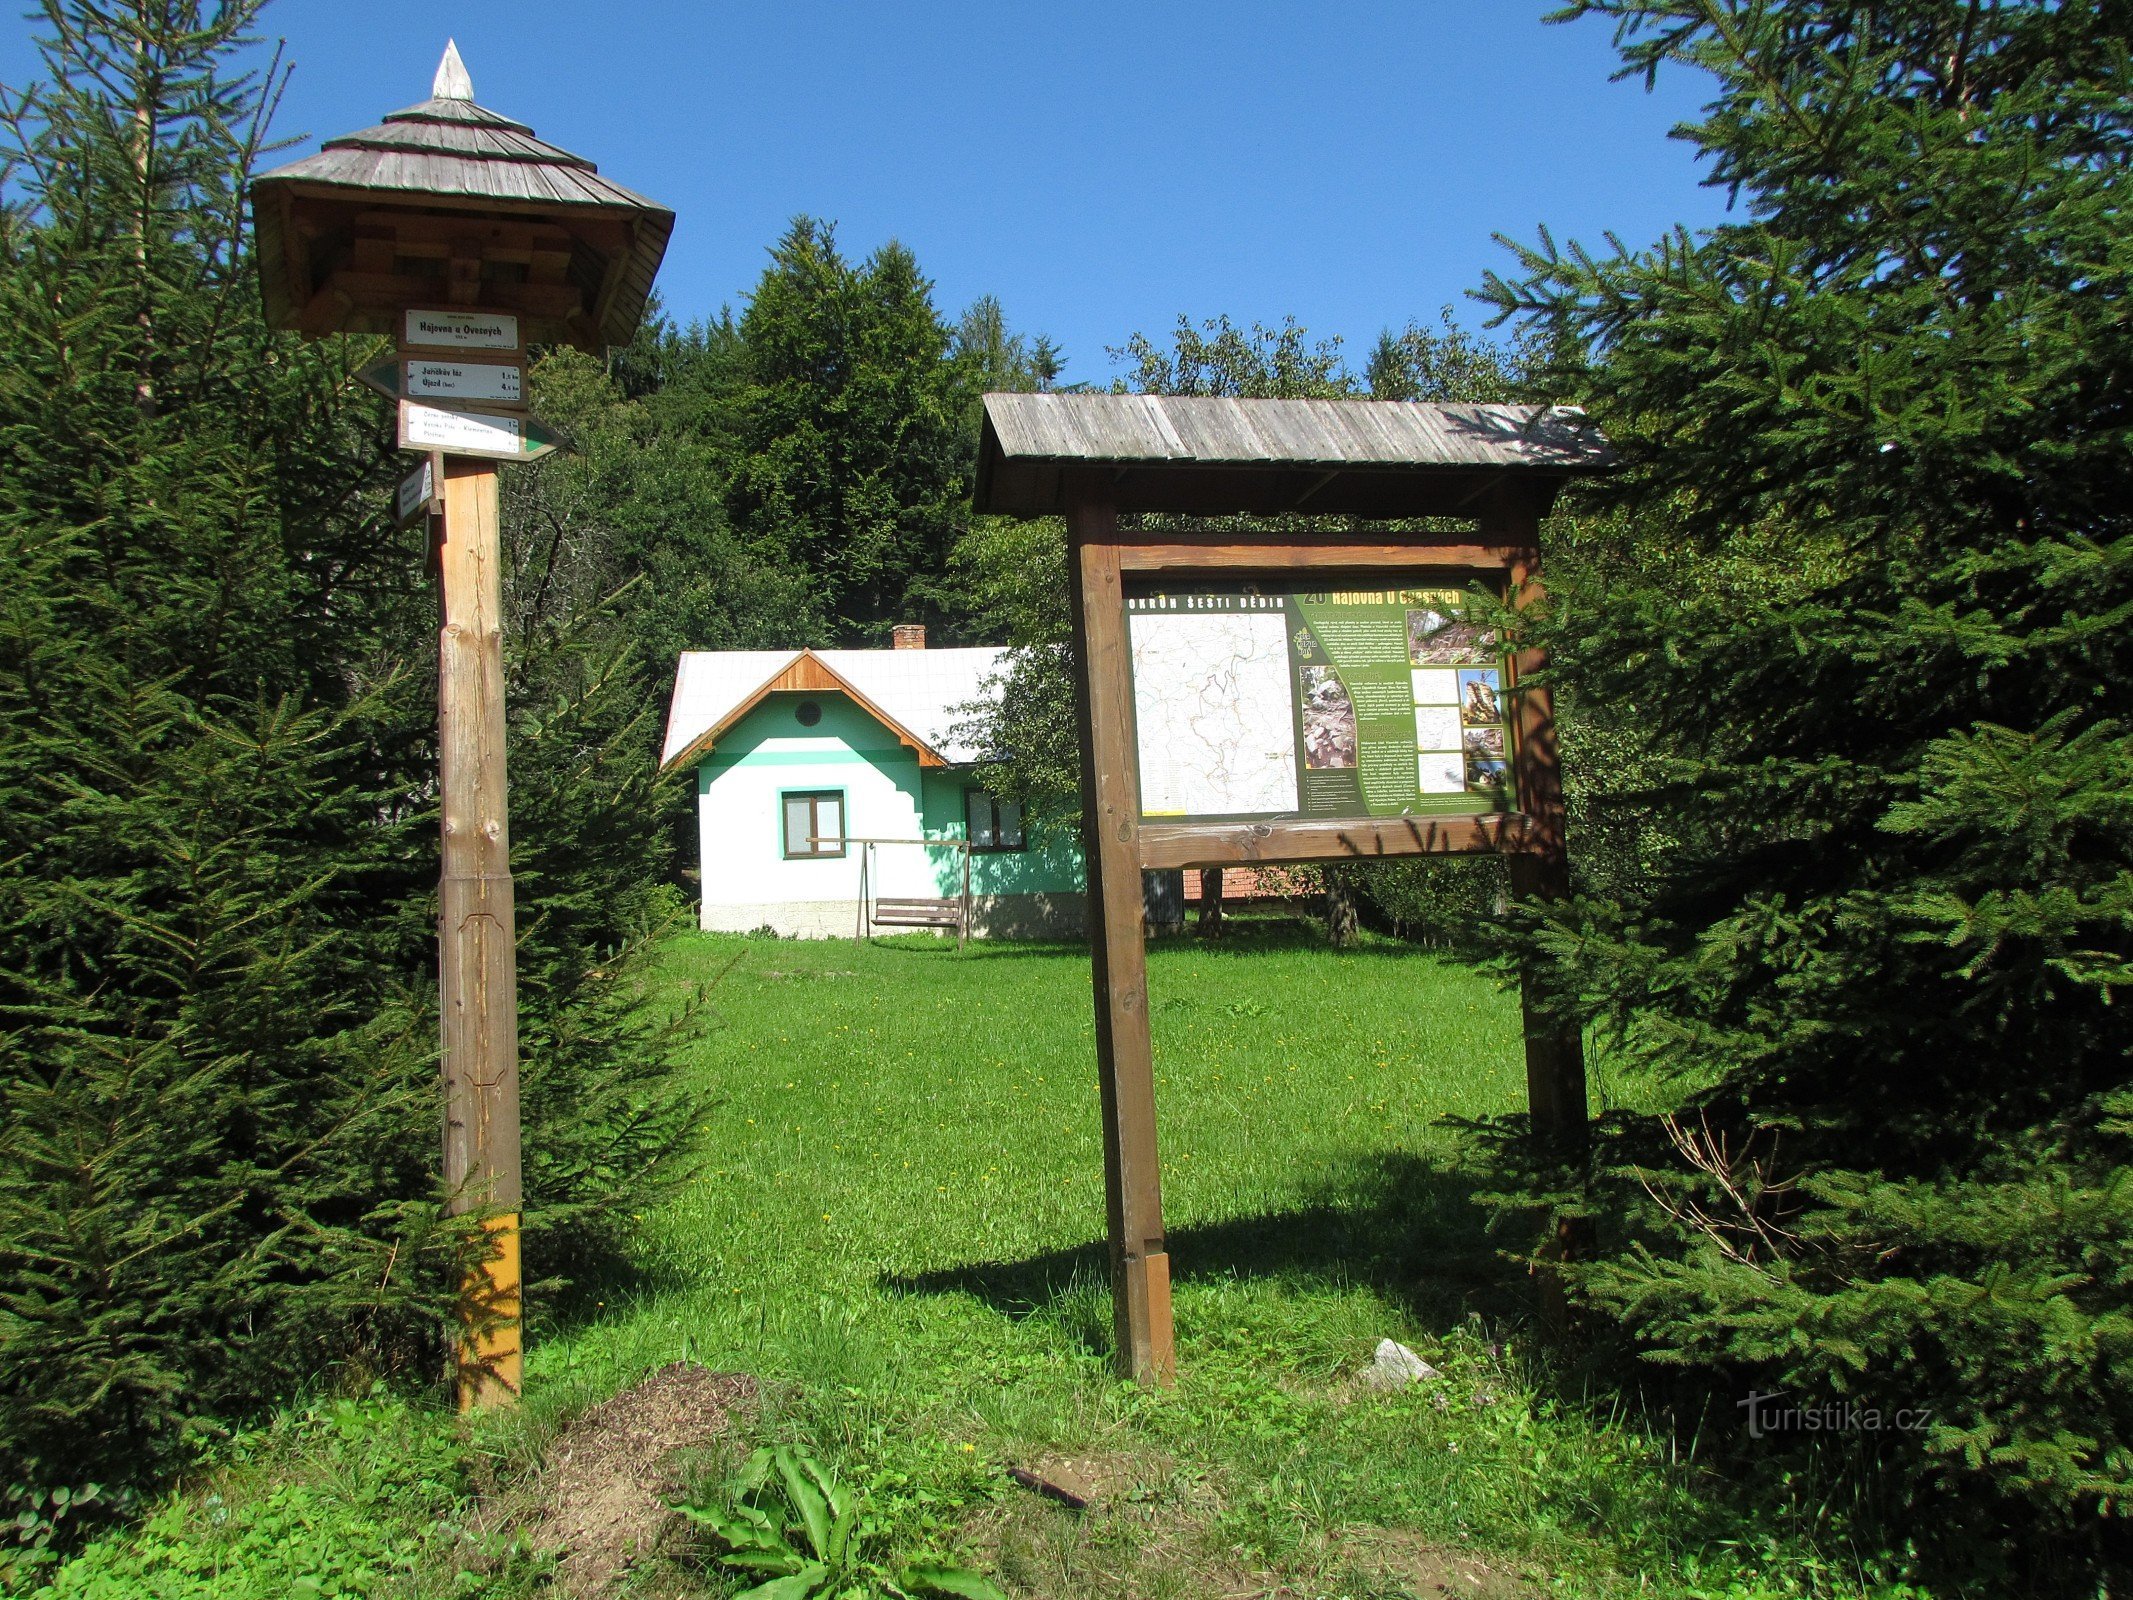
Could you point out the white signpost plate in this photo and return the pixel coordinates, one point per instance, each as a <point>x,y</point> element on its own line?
<point>462,330</point>
<point>418,492</point>
<point>437,378</point>
<point>472,433</point>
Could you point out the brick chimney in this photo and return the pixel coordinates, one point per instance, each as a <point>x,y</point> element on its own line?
<point>909,635</point>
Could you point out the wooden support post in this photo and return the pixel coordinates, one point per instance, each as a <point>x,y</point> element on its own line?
<point>1110,798</point>
<point>477,977</point>
<point>1555,1049</point>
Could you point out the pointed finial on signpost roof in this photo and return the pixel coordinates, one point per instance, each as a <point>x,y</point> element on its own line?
<point>452,80</point>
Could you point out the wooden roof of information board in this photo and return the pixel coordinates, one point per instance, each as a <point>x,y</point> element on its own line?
<point>448,157</point>
<point>1364,458</point>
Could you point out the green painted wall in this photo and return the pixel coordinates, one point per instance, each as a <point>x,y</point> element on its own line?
<point>887,795</point>
<point>1050,865</point>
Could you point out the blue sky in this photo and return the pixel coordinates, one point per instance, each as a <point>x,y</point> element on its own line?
<point>1100,167</point>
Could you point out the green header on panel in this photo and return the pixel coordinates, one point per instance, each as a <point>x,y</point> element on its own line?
<point>1367,703</point>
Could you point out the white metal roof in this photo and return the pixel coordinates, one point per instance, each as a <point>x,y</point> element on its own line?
<point>924,690</point>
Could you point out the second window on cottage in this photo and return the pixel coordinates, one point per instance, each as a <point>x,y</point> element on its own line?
<point>814,824</point>
<point>994,824</point>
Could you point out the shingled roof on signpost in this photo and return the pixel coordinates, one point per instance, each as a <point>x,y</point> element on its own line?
<point>449,203</point>
<point>1366,458</point>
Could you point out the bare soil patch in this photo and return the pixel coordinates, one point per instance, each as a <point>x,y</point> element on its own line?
<point>608,1476</point>
<point>1151,1532</point>
<point>1096,1480</point>
<point>1417,1567</point>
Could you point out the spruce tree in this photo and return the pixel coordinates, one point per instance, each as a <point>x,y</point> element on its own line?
<point>851,426</point>
<point>203,1082</point>
<point>1858,621</point>
<point>218,1089</point>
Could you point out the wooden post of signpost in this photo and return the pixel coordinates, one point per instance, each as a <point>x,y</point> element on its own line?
<point>476,932</point>
<point>1125,1063</point>
<point>463,247</point>
<point>472,412</point>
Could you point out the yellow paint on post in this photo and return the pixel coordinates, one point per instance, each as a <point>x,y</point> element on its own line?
<point>491,1354</point>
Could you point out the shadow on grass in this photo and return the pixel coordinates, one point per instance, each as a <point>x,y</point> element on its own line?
<point>933,947</point>
<point>1403,1224</point>
<point>1412,1228</point>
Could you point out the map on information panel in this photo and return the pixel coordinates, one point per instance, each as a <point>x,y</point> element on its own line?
<point>1376,703</point>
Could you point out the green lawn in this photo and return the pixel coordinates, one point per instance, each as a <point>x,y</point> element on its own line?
<point>898,1227</point>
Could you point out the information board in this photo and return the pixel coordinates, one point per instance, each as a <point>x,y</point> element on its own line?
<point>1332,703</point>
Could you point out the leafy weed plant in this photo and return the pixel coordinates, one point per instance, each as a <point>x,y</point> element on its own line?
<point>786,1515</point>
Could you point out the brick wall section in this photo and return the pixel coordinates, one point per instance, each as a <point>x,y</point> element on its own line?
<point>1254,883</point>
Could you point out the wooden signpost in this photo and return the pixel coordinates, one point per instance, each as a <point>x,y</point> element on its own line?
<point>1098,460</point>
<point>457,233</point>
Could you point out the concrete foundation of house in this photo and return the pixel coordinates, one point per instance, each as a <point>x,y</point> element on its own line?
<point>993,916</point>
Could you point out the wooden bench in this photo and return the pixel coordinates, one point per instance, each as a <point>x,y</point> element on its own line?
<point>919,914</point>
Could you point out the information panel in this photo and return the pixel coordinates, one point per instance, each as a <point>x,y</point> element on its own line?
<point>1339,703</point>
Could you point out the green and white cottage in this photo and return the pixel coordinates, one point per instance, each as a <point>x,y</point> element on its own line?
<point>832,793</point>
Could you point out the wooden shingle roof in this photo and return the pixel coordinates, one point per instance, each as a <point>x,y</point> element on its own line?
<point>1385,458</point>
<point>445,146</point>
<point>451,156</point>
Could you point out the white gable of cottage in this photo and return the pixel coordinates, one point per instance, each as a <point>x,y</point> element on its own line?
<point>924,691</point>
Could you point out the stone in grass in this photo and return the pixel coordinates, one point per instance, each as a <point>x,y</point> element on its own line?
<point>1395,1367</point>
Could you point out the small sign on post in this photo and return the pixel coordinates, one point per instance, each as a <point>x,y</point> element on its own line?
<point>462,330</point>
<point>421,491</point>
<point>483,382</point>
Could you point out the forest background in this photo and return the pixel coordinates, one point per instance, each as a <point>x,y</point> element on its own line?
<point>1841,653</point>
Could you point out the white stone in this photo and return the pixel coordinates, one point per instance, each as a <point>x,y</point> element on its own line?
<point>1395,1367</point>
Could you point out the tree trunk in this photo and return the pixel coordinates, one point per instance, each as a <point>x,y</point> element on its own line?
<point>1342,920</point>
<point>149,91</point>
<point>1210,902</point>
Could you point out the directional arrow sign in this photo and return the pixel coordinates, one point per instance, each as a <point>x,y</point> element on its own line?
<point>440,378</point>
<point>383,377</point>
<point>473,433</point>
<point>433,378</point>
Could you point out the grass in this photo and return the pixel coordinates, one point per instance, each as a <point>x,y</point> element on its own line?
<point>898,1228</point>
